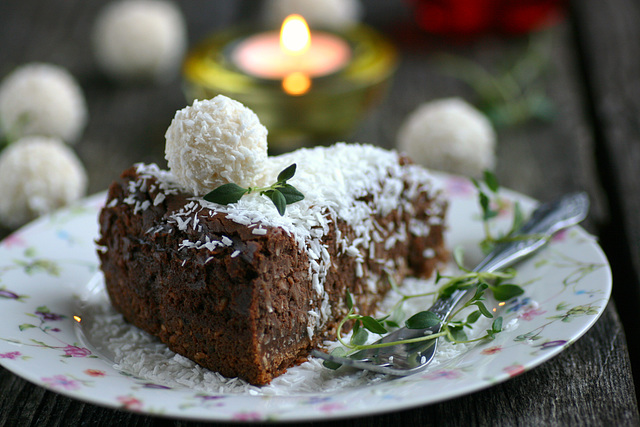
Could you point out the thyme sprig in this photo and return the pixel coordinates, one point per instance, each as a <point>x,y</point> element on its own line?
<point>281,193</point>
<point>489,202</point>
<point>513,92</point>
<point>453,330</point>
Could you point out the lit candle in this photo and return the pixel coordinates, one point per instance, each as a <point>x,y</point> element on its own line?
<point>294,55</point>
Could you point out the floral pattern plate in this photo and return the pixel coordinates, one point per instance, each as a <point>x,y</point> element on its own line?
<point>46,266</point>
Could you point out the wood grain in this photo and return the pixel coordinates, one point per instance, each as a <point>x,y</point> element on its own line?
<point>611,66</point>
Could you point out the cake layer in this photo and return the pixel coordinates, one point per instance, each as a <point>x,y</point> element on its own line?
<point>246,292</point>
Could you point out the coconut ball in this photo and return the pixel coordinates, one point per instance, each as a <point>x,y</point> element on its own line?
<point>449,135</point>
<point>331,14</point>
<point>215,142</point>
<point>38,175</point>
<point>140,40</point>
<point>42,99</point>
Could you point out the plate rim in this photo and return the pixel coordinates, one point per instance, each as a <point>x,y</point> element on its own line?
<point>91,202</point>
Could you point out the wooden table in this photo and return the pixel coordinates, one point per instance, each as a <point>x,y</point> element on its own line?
<point>593,144</point>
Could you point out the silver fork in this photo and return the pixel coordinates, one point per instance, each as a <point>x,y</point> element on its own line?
<point>409,358</point>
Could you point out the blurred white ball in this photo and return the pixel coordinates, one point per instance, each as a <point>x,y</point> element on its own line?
<point>140,40</point>
<point>215,142</point>
<point>330,14</point>
<point>449,135</point>
<point>38,175</point>
<point>42,99</point>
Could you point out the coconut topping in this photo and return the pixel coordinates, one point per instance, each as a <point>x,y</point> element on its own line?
<point>450,135</point>
<point>334,180</point>
<point>38,175</point>
<point>215,142</point>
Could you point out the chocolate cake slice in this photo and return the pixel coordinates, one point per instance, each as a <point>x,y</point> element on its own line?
<point>246,292</point>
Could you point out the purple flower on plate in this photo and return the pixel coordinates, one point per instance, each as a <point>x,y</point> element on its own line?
<point>61,381</point>
<point>444,373</point>
<point>49,317</point>
<point>13,355</point>
<point>551,344</point>
<point>156,386</point>
<point>75,351</point>
<point>458,186</point>
<point>559,236</point>
<point>209,397</point>
<point>6,294</point>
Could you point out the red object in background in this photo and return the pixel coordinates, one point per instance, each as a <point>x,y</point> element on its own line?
<point>473,17</point>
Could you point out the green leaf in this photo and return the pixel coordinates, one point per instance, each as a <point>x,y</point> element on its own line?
<point>438,277</point>
<point>480,291</point>
<point>392,323</point>
<point>338,351</point>
<point>485,312</point>
<point>26,326</point>
<point>449,290</point>
<point>287,173</point>
<point>359,336</point>
<point>473,317</point>
<point>422,320</point>
<point>506,292</point>
<point>349,300</point>
<point>373,325</point>
<point>476,183</point>
<point>290,193</point>
<point>485,204</point>
<point>225,194</point>
<point>497,325</point>
<point>518,217</point>
<point>458,256</point>
<point>491,181</point>
<point>43,309</point>
<point>458,334</point>
<point>278,200</point>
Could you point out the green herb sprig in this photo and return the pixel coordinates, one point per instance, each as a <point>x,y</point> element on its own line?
<point>453,330</point>
<point>513,92</point>
<point>281,193</point>
<point>489,200</point>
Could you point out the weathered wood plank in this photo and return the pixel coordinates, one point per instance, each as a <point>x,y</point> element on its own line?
<point>609,43</point>
<point>588,384</point>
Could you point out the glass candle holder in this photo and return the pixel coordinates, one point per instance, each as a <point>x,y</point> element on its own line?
<point>330,107</point>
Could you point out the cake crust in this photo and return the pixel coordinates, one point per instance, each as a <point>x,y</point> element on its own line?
<point>247,300</point>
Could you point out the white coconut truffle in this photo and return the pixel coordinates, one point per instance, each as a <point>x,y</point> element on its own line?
<point>42,99</point>
<point>38,175</point>
<point>330,14</point>
<point>216,142</point>
<point>449,135</point>
<point>140,40</point>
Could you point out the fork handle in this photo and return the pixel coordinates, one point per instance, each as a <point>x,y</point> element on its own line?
<point>545,221</point>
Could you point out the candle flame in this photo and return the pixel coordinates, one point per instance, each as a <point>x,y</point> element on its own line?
<point>296,83</point>
<point>77,319</point>
<point>295,37</point>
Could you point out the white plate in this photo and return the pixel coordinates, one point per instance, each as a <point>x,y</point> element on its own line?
<point>46,266</point>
